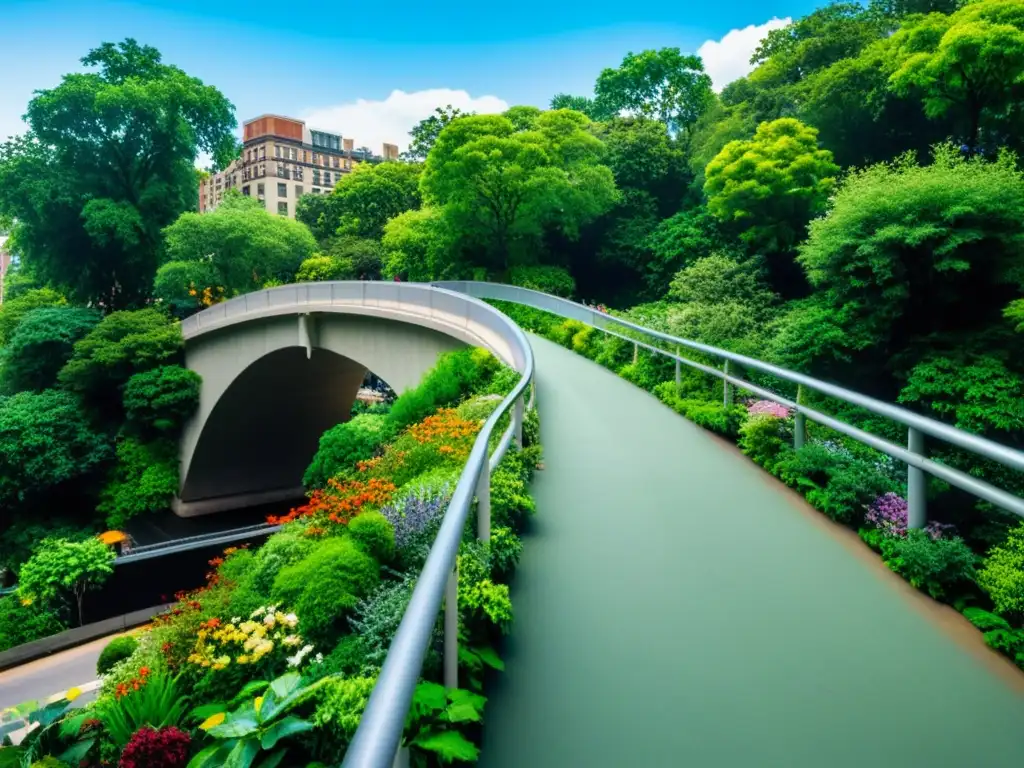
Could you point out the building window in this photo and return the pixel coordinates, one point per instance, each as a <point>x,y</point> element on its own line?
<point>245,190</point>
<point>298,173</point>
<point>334,162</point>
<point>316,176</point>
<point>277,151</point>
<point>260,191</point>
<point>282,190</point>
<point>293,153</point>
<point>282,208</point>
<point>298,191</point>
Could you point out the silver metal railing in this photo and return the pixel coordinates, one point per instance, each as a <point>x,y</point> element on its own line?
<point>914,455</point>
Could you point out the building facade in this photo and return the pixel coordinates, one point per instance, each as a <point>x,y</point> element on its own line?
<point>282,160</point>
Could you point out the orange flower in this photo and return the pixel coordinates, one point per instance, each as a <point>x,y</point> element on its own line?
<point>143,671</point>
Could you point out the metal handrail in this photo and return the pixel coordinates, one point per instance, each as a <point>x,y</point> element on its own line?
<point>918,426</point>
<point>379,735</point>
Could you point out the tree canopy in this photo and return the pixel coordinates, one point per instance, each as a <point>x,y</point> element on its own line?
<point>106,165</point>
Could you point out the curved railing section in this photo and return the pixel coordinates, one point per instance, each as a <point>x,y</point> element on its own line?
<point>379,735</point>
<point>914,455</point>
<point>453,313</point>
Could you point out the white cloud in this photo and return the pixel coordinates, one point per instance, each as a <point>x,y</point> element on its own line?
<point>728,59</point>
<point>372,123</point>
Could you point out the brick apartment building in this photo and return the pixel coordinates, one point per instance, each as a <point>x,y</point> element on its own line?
<point>282,160</point>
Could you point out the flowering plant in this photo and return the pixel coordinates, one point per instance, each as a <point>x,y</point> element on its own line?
<point>267,635</point>
<point>769,408</point>
<point>412,515</point>
<point>888,513</point>
<point>340,501</point>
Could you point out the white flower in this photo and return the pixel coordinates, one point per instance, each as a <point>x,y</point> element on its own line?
<point>291,619</point>
<point>269,619</point>
<point>236,619</point>
<point>258,612</point>
<point>319,658</point>
<point>292,640</point>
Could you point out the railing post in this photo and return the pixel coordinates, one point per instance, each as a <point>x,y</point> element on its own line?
<point>726,388</point>
<point>679,372</point>
<point>483,503</point>
<point>917,483</point>
<point>517,420</point>
<point>636,352</point>
<point>799,421</point>
<point>402,758</point>
<point>451,630</point>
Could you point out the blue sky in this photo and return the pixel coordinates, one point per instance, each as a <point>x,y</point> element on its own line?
<point>338,65</point>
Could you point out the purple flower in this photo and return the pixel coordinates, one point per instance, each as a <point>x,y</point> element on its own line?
<point>888,513</point>
<point>768,408</point>
<point>413,514</point>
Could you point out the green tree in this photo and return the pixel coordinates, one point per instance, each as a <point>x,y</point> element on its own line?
<point>501,189</point>
<point>771,186</point>
<point>971,62</point>
<point>664,84</point>
<point>245,245</point>
<point>46,444</point>
<point>420,246</point>
<point>584,104</point>
<point>317,269</point>
<point>107,164</point>
<point>910,254</point>
<point>426,131</point>
<point>679,240</point>
<point>42,343</point>
<point>123,344</point>
<point>12,310</point>
<point>185,287</point>
<point>61,568</point>
<point>363,201</point>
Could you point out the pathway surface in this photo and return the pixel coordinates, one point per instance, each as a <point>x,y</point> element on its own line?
<point>676,607</point>
<point>51,674</point>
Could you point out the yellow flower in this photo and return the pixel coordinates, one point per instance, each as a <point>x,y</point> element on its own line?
<point>212,721</point>
<point>259,703</point>
<point>243,659</point>
<point>26,601</point>
<point>73,693</point>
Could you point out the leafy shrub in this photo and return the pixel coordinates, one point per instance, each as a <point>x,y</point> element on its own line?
<point>14,309</point>
<point>839,485</point>
<point>479,408</point>
<point>372,531</point>
<point>321,268</point>
<point>531,428</point>
<point>325,586</point>
<point>888,513</point>
<point>1002,575</point>
<point>505,548</point>
<point>764,438</point>
<point>42,343</point>
<point>340,706</point>
<point>376,620</point>
<point>482,602</point>
<point>345,444</point>
<point>118,649</point>
<point>24,622</point>
<point>937,566</point>
<point>164,748</point>
<point>45,441</point>
<point>145,479</point>
<point>648,371</point>
<point>435,718</point>
<point>704,413</point>
<point>185,287</point>
<point>162,399</point>
<point>554,280</point>
<point>157,701</point>
<point>284,548</point>
<point>998,633</point>
<point>456,374</point>
<point>511,502</point>
<point>124,343</point>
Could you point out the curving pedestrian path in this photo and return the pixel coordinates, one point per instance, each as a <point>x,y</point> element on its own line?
<point>677,607</point>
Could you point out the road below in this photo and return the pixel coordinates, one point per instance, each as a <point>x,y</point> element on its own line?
<point>52,674</point>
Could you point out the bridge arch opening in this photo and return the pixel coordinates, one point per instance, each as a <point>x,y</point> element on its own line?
<point>265,427</point>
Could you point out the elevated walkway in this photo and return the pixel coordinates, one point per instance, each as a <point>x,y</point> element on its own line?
<point>676,606</point>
